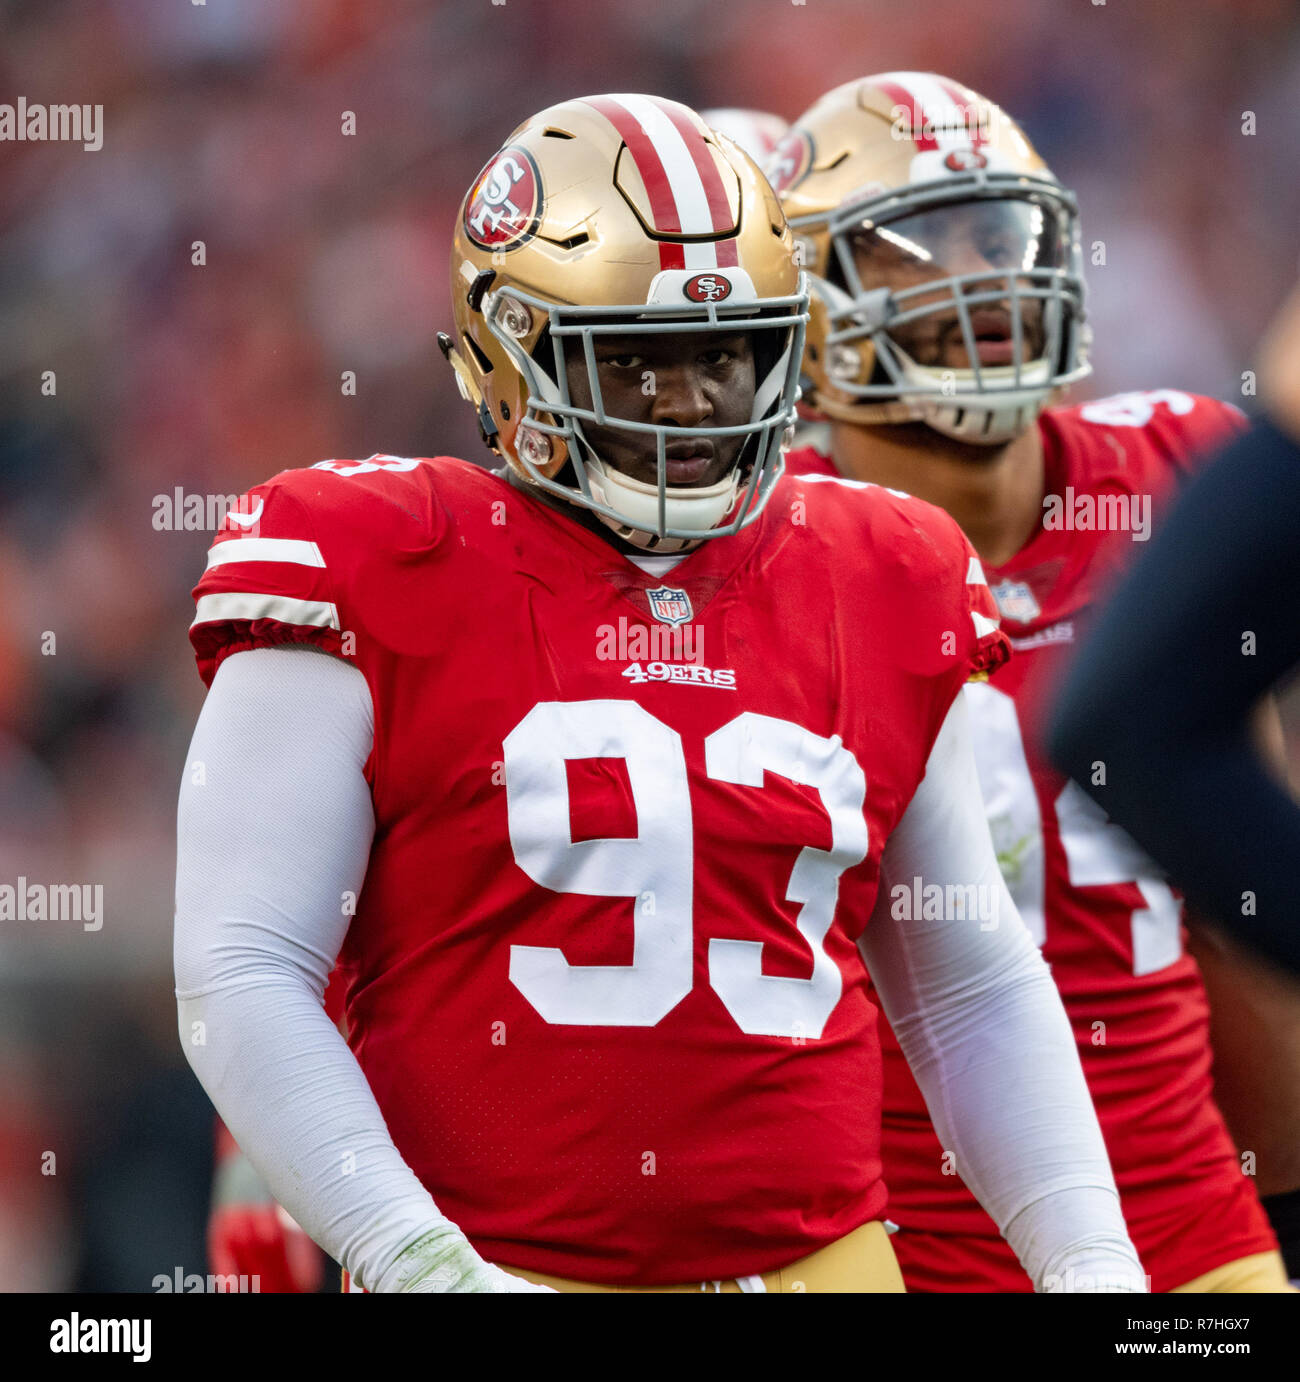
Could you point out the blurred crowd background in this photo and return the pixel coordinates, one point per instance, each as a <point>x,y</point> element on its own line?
<point>326,252</point>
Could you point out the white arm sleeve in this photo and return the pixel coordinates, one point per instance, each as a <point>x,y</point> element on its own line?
<point>273,832</point>
<point>982,1026</point>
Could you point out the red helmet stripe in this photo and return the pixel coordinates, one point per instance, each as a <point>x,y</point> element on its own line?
<point>715,193</point>
<point>685,189</point>
<point>901,96</point>
<point>964,103</point>
<point>663,205</point>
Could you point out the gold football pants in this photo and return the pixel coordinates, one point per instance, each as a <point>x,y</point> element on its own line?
<point>1261,1272</point>
<point>860,1261</point>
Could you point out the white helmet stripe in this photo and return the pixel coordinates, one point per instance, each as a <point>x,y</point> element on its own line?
<point>684,179</point>
<point>937,104</point>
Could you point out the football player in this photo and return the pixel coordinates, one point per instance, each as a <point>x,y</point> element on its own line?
<point>247,1232</point>
<point>634,768</point>
<point>1188,754</point>
<point>947,314</point>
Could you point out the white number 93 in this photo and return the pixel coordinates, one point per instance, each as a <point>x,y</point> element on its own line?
<point>657,867</point>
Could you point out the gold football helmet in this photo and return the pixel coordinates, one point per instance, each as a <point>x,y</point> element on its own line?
<point>915,177</point>
<point>617,215</point>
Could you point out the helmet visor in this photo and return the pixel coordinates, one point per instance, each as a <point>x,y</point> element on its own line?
<point>974,291</point>
<point>1001,234</point>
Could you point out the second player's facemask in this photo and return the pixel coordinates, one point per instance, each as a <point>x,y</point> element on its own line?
<point>657,515</point>
<point>957,305</point>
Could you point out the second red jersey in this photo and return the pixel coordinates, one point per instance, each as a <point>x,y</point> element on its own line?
<point>1108,922</point>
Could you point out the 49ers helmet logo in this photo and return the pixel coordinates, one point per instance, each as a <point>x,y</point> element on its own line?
<point>789,161</point>
<point>707,288</point>
<point>963,160</point>
<point>505,203</point>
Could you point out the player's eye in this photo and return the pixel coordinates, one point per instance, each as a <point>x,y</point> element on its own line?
<point>999,247</point>
<point>622,360</point>
<point>715,359</point>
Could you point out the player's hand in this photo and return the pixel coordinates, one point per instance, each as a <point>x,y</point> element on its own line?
<point>1279,367</point>
<point>490,1278</point>
<point>250,1236</point>
<point>444,1262</point>
<point>1099,1273</point>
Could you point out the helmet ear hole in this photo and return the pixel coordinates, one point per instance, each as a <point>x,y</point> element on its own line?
<point>480,359</point>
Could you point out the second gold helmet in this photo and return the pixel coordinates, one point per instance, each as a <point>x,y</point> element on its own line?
<point>882,163</point>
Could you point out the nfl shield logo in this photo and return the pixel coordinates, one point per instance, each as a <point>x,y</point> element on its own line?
<point>670,606</point>
<point>1016,601</point>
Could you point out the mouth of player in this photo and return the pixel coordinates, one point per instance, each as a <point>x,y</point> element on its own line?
<point>688,462</point>
<point>995,350</point>
<point>994,342</point>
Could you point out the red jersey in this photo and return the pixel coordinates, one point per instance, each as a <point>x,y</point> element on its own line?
<point>603,976</point>
<point>1109,924</point>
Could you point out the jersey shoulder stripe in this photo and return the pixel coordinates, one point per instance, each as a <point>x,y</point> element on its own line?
<point>282,549</point>
<point>314,555</point>
<point>237,605</point>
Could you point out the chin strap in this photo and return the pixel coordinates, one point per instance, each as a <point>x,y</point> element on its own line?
<point>981,419</point>
<point>964,419</point>
<point>981,425</point>
<point>978,418</point>
<point>701,509</point>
